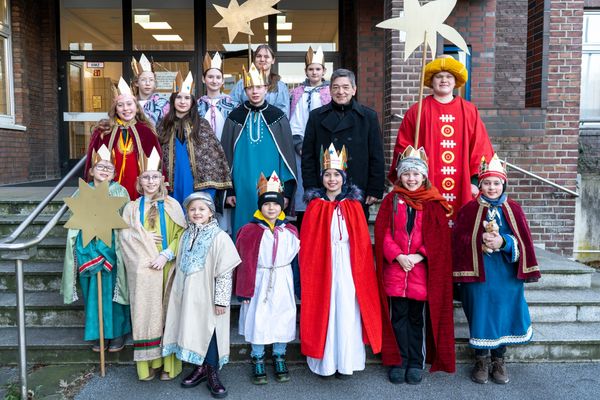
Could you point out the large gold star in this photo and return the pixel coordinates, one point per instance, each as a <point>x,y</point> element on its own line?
<point>95,212</point>
<point>237,18</point>
<point>428,18</point>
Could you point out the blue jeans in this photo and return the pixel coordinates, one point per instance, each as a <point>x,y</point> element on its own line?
<point>258,350</point>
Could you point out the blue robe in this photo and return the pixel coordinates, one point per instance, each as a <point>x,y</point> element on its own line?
<point>255,152</point>
<point>496,309</point>
<point>183,180</point>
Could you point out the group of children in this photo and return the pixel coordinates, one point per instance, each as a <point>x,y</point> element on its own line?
<point>173,275</point>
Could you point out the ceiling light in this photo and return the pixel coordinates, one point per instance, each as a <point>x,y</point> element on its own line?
<point>168,38</point>
<point>141,18</point>
<point>155,25</point>
<point>280,38</point>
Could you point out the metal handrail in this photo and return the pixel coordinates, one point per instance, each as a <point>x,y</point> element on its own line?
<point>7,245</point>
<point>539,178</point>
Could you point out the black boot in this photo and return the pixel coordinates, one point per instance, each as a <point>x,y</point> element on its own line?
<point>258,370</point>
<point>217,390</point>
<point>198,375</point>
<point>281,370</point>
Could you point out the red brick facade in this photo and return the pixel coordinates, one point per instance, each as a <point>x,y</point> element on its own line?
<point>507,46</point>
<point>32,155</point>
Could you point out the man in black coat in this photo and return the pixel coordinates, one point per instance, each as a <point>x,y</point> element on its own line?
<point>345,122</point>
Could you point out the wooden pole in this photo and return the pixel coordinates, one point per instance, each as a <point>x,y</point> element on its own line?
<point>101,323</point>
<point>421,87</point>
<point>249,51</point>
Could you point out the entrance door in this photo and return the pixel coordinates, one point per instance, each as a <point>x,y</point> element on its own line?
<point>89,95</point>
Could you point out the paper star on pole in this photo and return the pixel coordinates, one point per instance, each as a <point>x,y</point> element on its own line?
<point>237,18</point>
<point>95,212</point>
<point>428,18</point>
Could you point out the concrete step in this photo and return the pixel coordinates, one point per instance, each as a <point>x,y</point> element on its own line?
<point>38,276</point>
<point>23,200</point>
<point>42,309</point>
<point>8,224</point>
<point>572,342</point>
<point>556,305</point>
<point>560,272</point>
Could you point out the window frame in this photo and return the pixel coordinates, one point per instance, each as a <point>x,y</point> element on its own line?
<point>589,49</point>
<point>7,121</point>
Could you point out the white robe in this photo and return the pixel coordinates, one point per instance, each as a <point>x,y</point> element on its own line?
<point>270,317</point>
<point>344,348</point>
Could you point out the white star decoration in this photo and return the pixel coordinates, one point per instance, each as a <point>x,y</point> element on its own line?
<point>237,18</point>
<point>428,18</point>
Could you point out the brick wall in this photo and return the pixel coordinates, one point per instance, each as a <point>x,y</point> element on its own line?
<point>32,155</point>
<point>539,139</point>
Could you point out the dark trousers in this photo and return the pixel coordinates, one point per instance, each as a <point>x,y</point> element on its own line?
<point>212,354</point>
<point>497,353</point>
<point>408,321</point>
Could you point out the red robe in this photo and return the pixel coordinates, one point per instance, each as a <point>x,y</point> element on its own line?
<point>454,138</point>
<point>127,155</point>
<point>248,245</point>
<point>315,274</point>
<point>440,327</point>
<point>467,253</point>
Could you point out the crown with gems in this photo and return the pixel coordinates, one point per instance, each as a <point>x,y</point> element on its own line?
<point>254,77</point>
<point>151,163</point>
<point>313,57</point>
<point>144,65</point>
<point>210,63</point>
<point>273,184</point>
<point>183,86</point>
<point>495,167</point>
<point>333,159</point>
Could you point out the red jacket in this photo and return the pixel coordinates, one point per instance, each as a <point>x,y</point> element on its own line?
<point>396,281</point>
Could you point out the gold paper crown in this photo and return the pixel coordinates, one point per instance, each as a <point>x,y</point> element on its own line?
<point>183,86</point>
<point>254,77</point>
<point>271,185</point>
<point>314,58</point>
<point>332,159</point>
<point>144,65</point>
<point>411,152</point>
<point>494,168</point>
<point>122,89</point>
<point>151,163</point>
<point>102,154</point>
<point>210,63</point>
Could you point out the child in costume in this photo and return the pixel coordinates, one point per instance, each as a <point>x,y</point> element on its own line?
<point>128,135</point>
<point>264,280</point>
<point>492,290</point>
<point>412,247</point>
<point>149,245</point>
<point>84,262</point>
<point>311,94</point>
<point>192,155</point>
<point>155,106</point>
<point>197,325</point>
<point>340,299</point>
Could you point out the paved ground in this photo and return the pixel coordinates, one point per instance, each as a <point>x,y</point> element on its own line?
<point>528,381</point>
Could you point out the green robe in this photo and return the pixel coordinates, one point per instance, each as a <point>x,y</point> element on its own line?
<point>84,263</point>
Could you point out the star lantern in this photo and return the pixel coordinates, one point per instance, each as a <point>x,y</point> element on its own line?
<point>95,212</point>
<point>237,18</point>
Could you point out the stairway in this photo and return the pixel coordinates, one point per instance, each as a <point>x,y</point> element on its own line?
<point>564,305</point>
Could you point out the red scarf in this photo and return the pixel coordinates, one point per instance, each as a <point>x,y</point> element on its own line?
<point>421,195</point>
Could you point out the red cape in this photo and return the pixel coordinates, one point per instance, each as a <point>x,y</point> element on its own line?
<point>148,140</point>
<point>248,245</point>
<point>440,327</point>
<point>467,257</point>
<point>315,274</point>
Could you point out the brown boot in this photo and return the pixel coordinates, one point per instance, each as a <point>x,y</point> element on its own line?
<point>217,390</point>
<point>499,374</point>
<point>480,371</point>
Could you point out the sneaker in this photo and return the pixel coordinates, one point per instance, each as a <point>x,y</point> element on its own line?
<point>397,375</point>
<point>499,374</point>
<point>414,376</point>
<point>258,369</point>
<point>281,370</point>
<point>480,371</point>
<point>116,344</point>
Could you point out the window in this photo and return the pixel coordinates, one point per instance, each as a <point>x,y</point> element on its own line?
<point>590,65</point>
<point>465,91</point>
<point>91,25</point>
<point>7,118</point>
<point>163,25</point>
